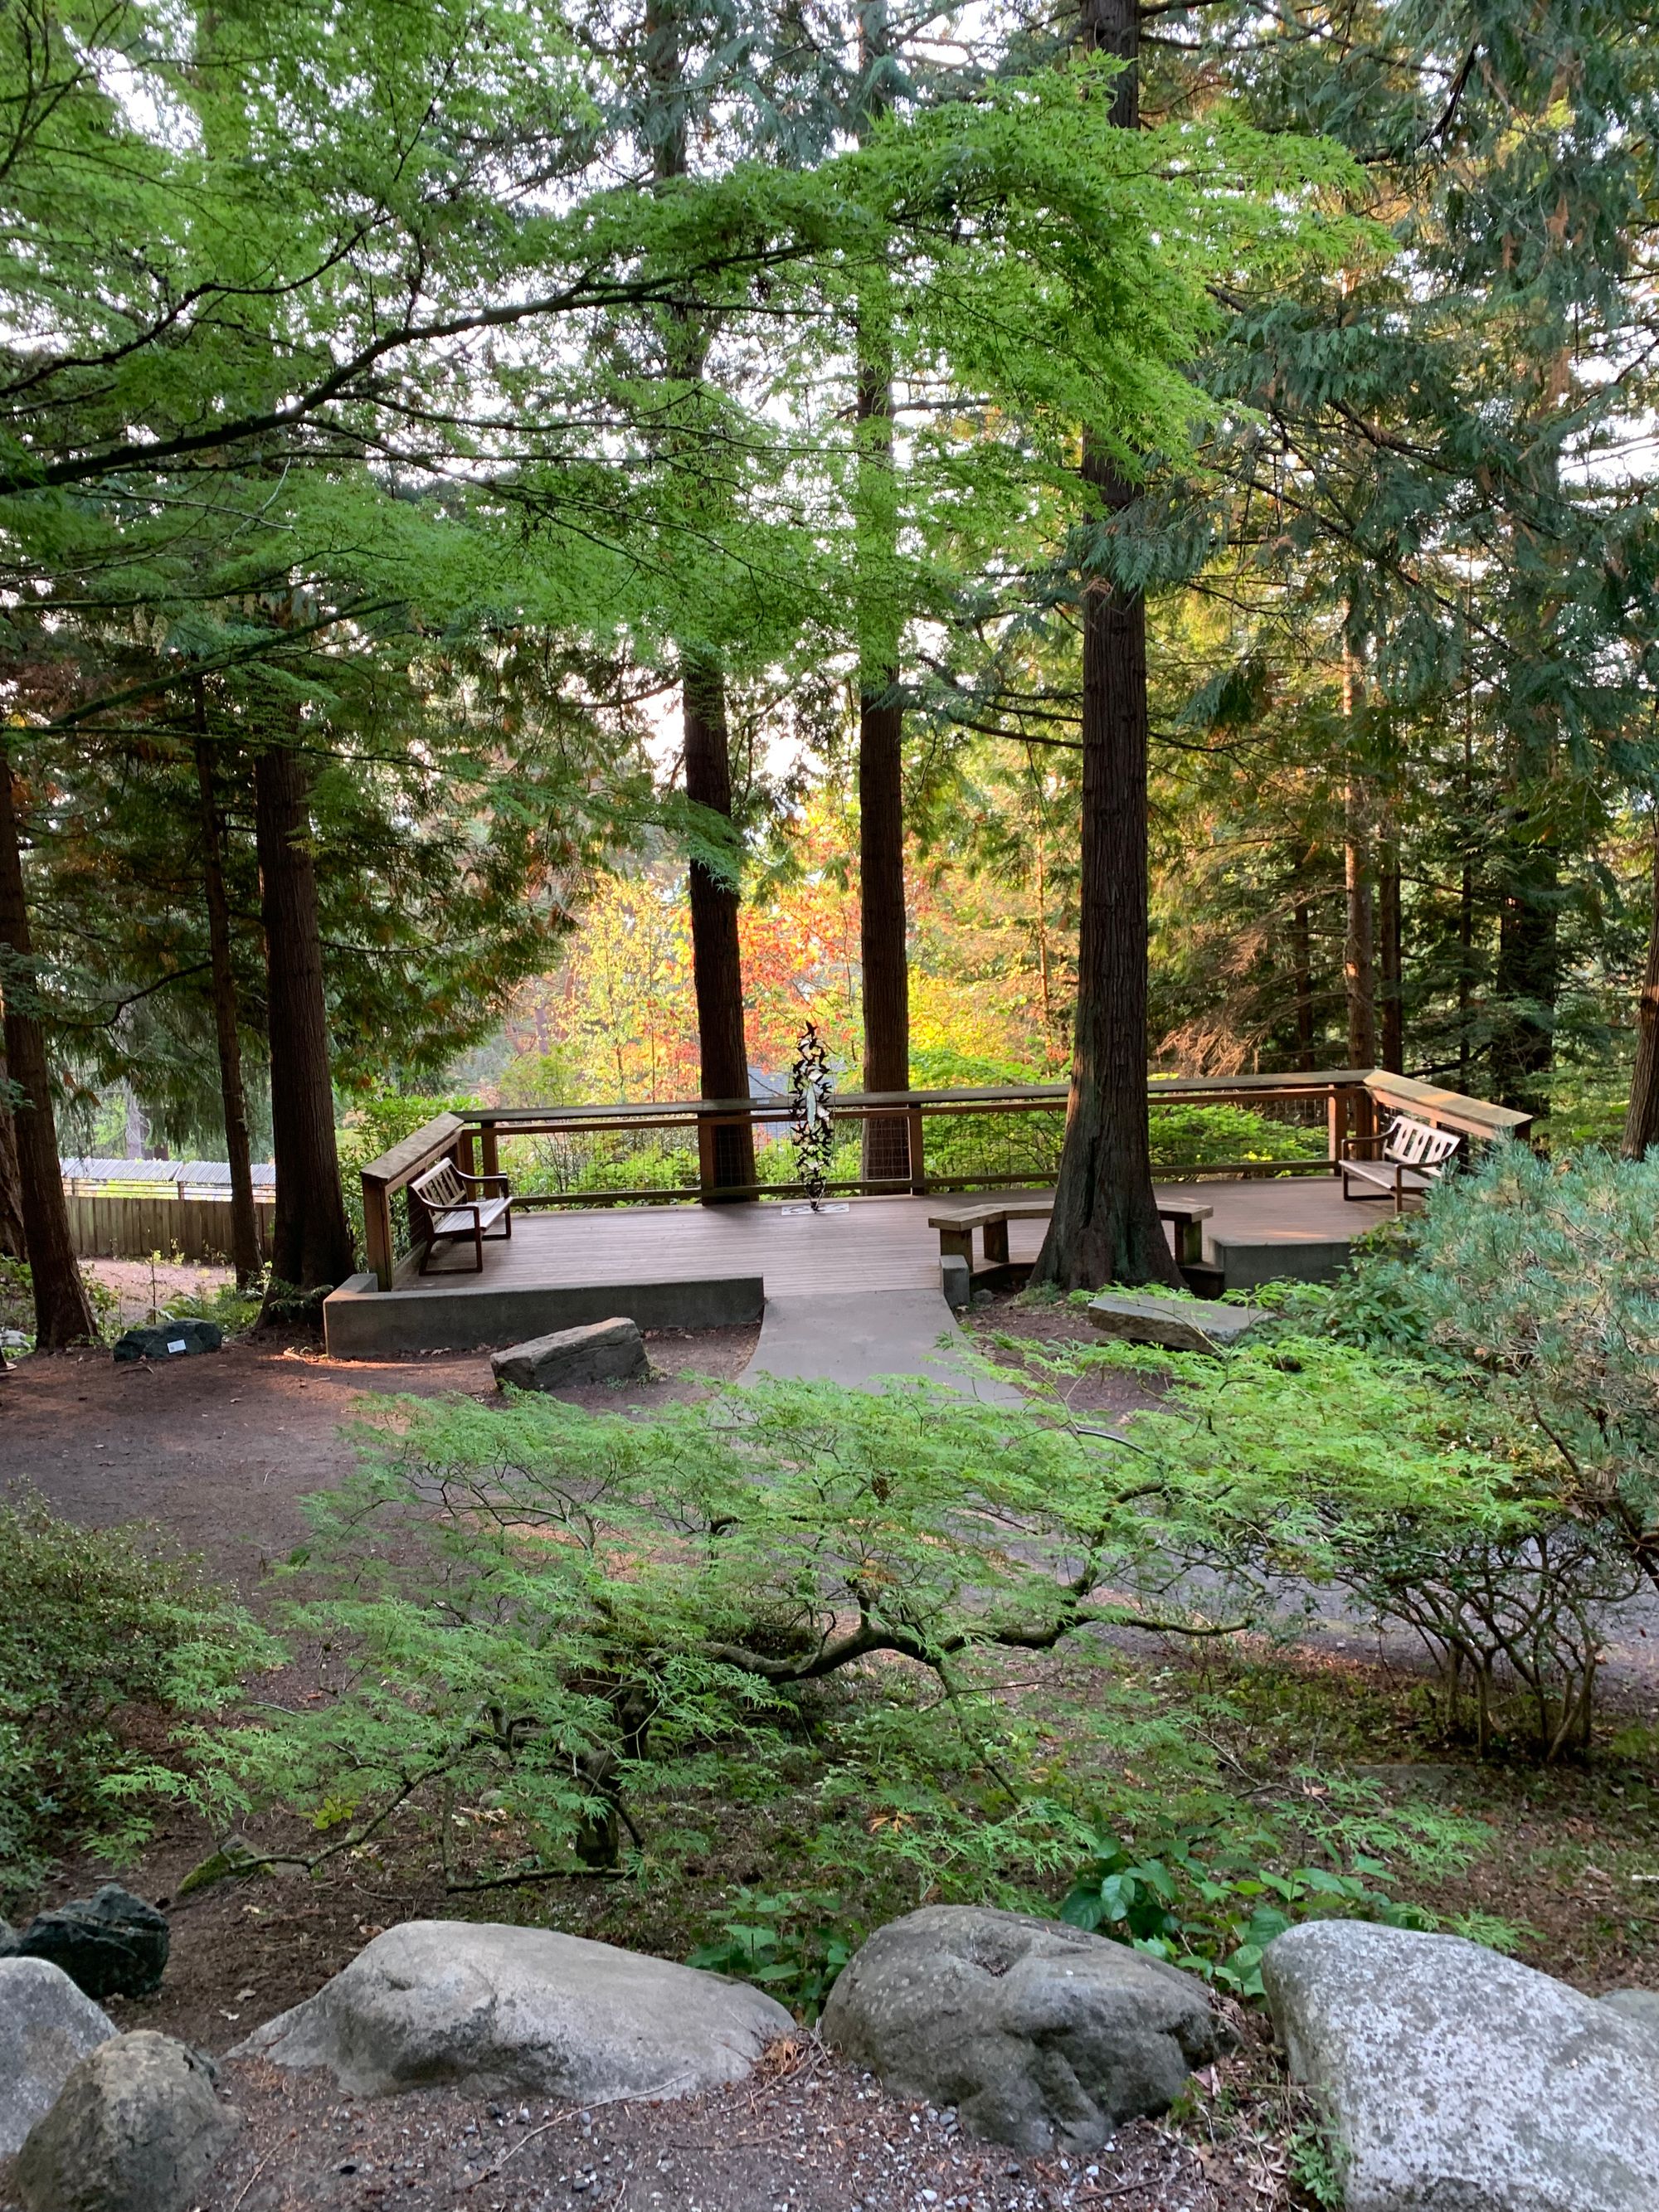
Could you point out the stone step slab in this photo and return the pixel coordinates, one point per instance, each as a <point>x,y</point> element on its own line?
<point>1175,1324</point>
<point>598,1351</point>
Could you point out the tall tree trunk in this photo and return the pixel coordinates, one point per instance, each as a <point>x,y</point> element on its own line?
<point>1359,961</point>
<point>1526,977</point>
<point>716,958</point>
<point>881,797</point>
<point>311,1240</point>
<point>1642,1118</point>
<point>244,1219</point>
<point>1104,1227</point>
<point>1302,970</point>
<point>1391,951</point>
<point>63,1316</point>
<point>1358,947</point>
<point>1528,972</point>
<point>881,723</point>
<point>13,1245</point>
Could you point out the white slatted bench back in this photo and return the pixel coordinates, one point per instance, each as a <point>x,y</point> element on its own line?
<point>441,1187</point>
<point>1415,1145</point>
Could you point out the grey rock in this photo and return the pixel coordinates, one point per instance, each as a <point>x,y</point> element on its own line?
<point>1177,1324</point>
<point>522,2011</point>
<point>1457,2080</point>
<point>600,1351</point>
<point>1639,2006</point>
<point>169,1339</point>
<point>46,2025</point>
<point>110,1944</point>
<point>137,2129</point>
<point>1040,2035</point>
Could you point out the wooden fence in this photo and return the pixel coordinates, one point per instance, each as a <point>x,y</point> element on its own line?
<point>128,1228</point>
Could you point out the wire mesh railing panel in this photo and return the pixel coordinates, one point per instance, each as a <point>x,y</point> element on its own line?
<point>601,1164</point>
<point>983,1146</point>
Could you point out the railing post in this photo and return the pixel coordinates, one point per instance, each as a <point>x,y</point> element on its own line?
<point>464,1157</point>
<point>918,1158</point>
<point>1336,1115</point>
<point>491,1147</point>
<point>377,1230</point>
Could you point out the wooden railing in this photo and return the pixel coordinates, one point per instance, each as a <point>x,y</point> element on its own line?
<point>1345,1100</point>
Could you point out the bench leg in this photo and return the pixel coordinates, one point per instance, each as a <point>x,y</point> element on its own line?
<point>996,1243</point>
<point>956,1244</point>
<point>477,1243</point>
<point>1189,1244</point>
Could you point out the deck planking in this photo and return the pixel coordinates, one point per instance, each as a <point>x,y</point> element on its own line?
<point>876,1244</point>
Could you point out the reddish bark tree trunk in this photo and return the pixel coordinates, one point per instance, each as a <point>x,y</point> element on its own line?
<point>886,978</point>
<point>244,1218</point>
<point>1641,1118</point>
<point>63,1316</point>
<point>311,1241</point>
<point>1391,956</point>
<point>1104,1227</point>
<point>886,971</point>
<point>1301,957</point>
<point>13,1243</point>
<point>716,960</point>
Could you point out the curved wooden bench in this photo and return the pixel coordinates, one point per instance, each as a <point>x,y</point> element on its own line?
<point>991,1217</point>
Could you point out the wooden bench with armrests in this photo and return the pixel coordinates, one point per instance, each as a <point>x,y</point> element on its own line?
<point>1413,1157</point>
<point>459,1211</point>
<point>991,1217</point>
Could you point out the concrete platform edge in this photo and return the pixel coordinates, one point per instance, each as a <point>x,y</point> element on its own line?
<point>361,1321</point>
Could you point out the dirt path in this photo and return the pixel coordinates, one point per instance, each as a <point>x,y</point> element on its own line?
<point>218,1450</point>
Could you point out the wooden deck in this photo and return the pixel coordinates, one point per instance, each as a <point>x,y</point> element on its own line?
<point>558,1265</point>
<point>876,1244</point>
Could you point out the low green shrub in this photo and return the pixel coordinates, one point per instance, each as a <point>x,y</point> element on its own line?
<point>554,1608</point>
<point>17,1299</point>
<point>1212,1906</point>
<point>1300,1463</point>
<point>793,1943</point>
<point>106,1644</point>
<point>1186,1136</point>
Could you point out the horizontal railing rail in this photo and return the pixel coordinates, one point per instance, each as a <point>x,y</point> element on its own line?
<point>1343,1100</point>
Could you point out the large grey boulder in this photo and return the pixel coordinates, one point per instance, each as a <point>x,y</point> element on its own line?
<point>522,2011</point>
<point>46,2025</point>
<point>1040,2035</point>
<point>1457,2080</point>
<point>110,1944</point>
<point>600,1351</point>
<point>137,2129</point>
